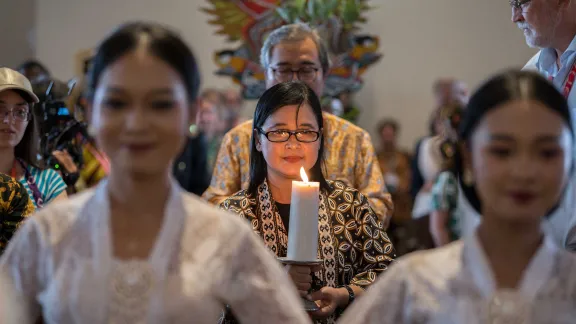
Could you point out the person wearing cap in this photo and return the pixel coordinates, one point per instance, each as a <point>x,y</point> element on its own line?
<point>15,206</point>
<point>19,138</point>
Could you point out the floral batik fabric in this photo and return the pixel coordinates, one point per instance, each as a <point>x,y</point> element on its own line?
<point>351,242</point>
<point>15,207</point>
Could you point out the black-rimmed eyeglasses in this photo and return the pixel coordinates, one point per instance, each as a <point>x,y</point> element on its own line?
<point>285,74</point>
<point>282,135</point>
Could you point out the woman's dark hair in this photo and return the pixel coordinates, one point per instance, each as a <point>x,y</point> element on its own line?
<point>500,89</point>
<point>278,96</point>
<point>162,42</point>
<point>27,149</point>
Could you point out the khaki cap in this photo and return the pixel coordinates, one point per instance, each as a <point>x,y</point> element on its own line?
<point>13,80</point>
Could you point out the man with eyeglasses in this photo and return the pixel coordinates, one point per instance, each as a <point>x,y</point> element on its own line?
<point>296,52</point>
<point>551,26</point>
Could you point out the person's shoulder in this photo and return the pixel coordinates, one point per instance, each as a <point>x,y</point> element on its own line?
<point>45,173</point>
<point>440,261</point>
<point>212,218</point>
<point>532,64</point>
<point>55,218</point>
<point>335,123</point>
<point>242,129</point>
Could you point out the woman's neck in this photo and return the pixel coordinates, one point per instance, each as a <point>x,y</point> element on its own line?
<point>139,194</point>
<point>6,160</point>
<point>509,248</point>
<point>280,188</point>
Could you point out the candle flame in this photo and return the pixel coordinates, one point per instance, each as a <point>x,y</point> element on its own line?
<point>303,175</point>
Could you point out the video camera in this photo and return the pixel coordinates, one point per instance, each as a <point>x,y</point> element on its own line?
<point>60,131</point>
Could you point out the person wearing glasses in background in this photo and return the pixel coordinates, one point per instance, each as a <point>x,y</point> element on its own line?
<point>355,249</point>
<point>18,140</point>
<point>551,26</point>
<point>296,52</point>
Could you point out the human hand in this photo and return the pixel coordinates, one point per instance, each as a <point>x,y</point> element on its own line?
<point>66,160</point>
<point>328,300</point>
<point>302,277</point>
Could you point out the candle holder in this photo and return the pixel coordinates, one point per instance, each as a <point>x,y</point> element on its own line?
<point>309,306</point>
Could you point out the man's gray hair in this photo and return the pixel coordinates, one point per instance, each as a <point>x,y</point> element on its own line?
<point>294,33</point>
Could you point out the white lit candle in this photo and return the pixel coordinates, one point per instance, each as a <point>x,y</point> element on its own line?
<point>303,232</point>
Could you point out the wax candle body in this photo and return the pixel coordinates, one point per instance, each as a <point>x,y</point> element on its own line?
<point>303,233</point>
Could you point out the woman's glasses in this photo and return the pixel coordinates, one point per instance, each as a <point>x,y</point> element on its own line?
<point>17,115</point>
<point>281,135</point>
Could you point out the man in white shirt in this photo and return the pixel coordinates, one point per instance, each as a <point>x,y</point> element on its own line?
<point>551,26</point>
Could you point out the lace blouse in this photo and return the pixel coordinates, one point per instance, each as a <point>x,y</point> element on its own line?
<point>61,262</point>
<point>455,284</point>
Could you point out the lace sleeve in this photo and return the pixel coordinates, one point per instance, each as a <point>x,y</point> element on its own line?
<point>21,269</point>
<point>257,289</point>
<point>383,303</point>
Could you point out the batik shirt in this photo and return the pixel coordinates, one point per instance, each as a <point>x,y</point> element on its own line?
<point>351,242</point>
<point>15,206</point>
<point>348,153</point>
<point>455,284</point>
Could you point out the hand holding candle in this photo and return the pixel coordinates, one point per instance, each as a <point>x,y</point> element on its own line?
<point>303,233</point>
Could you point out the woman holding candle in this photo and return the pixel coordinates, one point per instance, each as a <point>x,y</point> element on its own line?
<point>351,242</point>
<point>137,249</point>
<point>518,143</point>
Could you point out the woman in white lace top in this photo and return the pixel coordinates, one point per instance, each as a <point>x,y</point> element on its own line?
<point>519,147</point>
<point>137,249</point>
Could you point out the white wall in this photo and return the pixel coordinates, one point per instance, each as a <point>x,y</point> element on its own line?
<point>421,41</point>
<point>17,20</point>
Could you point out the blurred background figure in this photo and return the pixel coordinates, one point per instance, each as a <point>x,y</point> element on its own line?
<point>395,165</point>
<point>34,71</point>
<point>447,90</point>
<point>350,110</point>
<point>211,123</point>
<point>233,106</point>
<point>445,215</point>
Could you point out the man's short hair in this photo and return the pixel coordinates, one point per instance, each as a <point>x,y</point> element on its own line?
<point>294,33</point>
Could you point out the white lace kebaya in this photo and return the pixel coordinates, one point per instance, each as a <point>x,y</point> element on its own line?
<point>455,285</point>
<point>61,262</point>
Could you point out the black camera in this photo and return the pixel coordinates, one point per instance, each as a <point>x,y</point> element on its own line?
<point>60,131</point>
